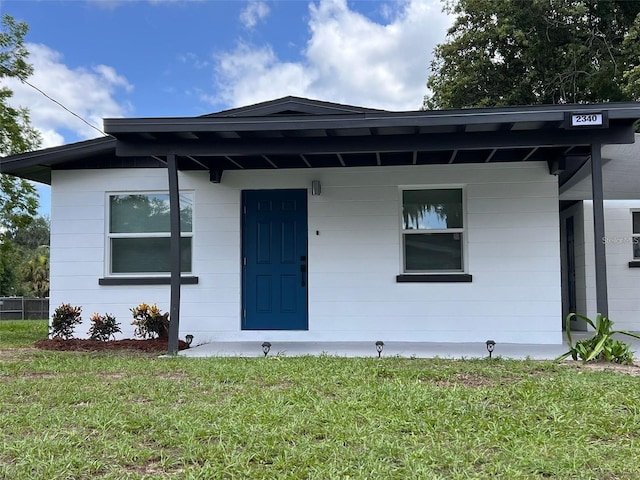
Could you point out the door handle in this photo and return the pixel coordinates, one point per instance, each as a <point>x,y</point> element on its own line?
<point>303,276</point>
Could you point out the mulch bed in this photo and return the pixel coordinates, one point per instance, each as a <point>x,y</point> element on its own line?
<point>154,345</point>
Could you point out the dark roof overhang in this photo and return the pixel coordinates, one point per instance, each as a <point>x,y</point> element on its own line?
<point>37,165</point>
<point>302,133</point>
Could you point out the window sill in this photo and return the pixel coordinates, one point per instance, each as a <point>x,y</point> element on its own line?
<point>634,264</point>
<point>435,278</point>
<point>145,281</point>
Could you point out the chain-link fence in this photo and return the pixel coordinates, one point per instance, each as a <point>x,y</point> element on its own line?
<point>23,308</point>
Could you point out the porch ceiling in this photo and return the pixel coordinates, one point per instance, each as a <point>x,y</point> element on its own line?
<point>354,147</point>
<point>302,133</point>
<point>289,139</point>
<point>620,174</point>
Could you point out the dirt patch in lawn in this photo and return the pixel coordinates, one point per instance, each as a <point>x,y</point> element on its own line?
<point>633,369</point>
<point>154,345</point>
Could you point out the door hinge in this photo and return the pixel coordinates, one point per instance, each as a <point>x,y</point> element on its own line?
<point>244,209</point>
<point>244,261</point>
<point>244,313</point>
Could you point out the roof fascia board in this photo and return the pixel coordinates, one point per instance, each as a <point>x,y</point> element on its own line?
<point>547,113</point>
<point>390,143</point>
<point>61,154</point>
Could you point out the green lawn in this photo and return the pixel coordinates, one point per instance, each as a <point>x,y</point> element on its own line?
<point>127,415</point>
<point>22,333</point>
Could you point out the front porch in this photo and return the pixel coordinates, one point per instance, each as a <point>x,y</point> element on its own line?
<point>517,351</point>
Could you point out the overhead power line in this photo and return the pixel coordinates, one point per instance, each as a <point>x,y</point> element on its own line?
<point>9,72</point>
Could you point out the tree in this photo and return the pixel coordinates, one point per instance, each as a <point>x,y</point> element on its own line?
<point>16,133</point>
<point>18,198</point>
<point>35,235</point>
<point>31,256</point>
<point>35,274</point>
<point>24,260</point>
<point>526,52</point>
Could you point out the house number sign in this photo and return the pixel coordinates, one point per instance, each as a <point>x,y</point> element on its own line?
<point>591,119</point>
<point>587,119</point>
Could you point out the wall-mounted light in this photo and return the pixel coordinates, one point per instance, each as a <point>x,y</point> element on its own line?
<point>379,347</point>
<point>316,187</point>
<point>266,346</point>
<point>188,339</point>
<point>490,346</point>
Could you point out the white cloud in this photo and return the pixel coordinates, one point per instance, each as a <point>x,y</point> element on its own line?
<point>253,13</point>
<point>349,58</point>
<point>249,75</point>
<point>88,93</point>
<point>112,77</point>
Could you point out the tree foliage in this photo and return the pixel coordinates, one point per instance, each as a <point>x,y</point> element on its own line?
<point>527,52</point>
<point>32,244</point>
<point>18,198</point>
<point>24,260</point>
<point>16,133</point>
<point>35,235</point>
<point>35,274</point>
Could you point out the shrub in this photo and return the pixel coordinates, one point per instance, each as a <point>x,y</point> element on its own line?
<point>602,346</point>
<point>150,322</point>
<point>64,320</point>
<point>103,327</point>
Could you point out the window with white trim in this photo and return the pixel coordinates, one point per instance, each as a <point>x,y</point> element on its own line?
<point>433,230</point>
<point>636,234</point>
<point>139,235</point>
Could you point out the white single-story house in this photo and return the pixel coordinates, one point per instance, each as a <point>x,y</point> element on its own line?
<point>302,220</point>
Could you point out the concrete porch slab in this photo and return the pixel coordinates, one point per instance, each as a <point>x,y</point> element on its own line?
<point>368,349</point>
<point>391,349</point>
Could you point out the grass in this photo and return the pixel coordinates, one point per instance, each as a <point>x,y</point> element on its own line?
<point>131,415</point>
<point>22,333</point>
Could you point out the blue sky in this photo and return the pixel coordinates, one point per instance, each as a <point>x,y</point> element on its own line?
<point>157,58</point>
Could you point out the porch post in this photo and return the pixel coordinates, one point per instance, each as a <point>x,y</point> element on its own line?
<point>602,305</point>
<point>174,212</point>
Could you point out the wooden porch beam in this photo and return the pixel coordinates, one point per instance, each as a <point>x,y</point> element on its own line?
<point>174,217</point>
<point>602,303</point>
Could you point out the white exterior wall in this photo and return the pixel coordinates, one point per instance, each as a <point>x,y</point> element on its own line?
<point>623,286</point>
<point>512,233</point>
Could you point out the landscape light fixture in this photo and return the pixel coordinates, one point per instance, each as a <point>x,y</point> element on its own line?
<point>379,347</point>
<point>266,346</point>
<point>188,339</point>
<point>490,346</point>
<point>316,187</point>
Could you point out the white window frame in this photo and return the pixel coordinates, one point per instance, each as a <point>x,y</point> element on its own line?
<point>463,230</point>
<point>109,236</point>
<point>635,236</point>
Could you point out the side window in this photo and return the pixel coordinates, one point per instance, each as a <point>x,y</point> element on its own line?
<point>433,230</point>
<point>636,234</point>
<point>139,233</point>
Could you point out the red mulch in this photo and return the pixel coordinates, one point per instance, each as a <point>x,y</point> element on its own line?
<point>154,345</point>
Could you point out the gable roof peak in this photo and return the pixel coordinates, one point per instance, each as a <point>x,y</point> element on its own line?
<point>292,105</point>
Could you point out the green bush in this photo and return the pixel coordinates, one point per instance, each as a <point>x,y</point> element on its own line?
<point>602,346</point>
<point>103,327</point>
<point>64,320</point>
<point>150,322</point>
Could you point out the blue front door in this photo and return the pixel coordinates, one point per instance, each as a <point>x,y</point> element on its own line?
<point>274,257</point>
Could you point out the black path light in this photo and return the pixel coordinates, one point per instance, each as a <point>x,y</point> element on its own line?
<point>266,346</point>
<point>188,339</point>
<point>379,347</point>
<point>490,346</point>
